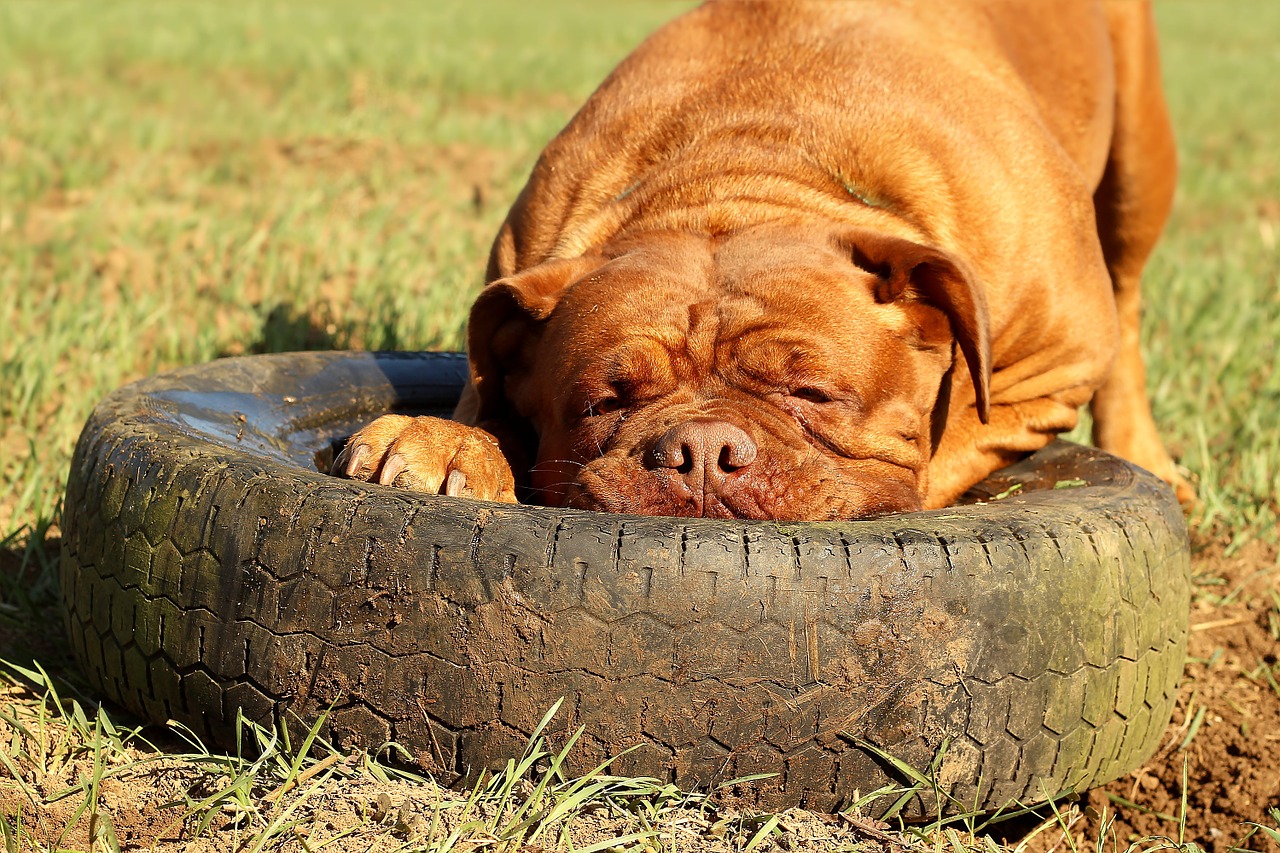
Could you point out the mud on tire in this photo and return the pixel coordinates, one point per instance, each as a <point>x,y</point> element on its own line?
<point>208,566</point>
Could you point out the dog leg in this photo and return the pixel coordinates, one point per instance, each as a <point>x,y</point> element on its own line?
<point>428,455</point>
<point>970,450</point>
<point>1132,202</point>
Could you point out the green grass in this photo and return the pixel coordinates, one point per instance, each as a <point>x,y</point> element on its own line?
<point>1213,288</point>
<point>186,179</point>
<point>258,796</point>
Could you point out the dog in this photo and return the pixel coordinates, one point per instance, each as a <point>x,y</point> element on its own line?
<point>814,260</point>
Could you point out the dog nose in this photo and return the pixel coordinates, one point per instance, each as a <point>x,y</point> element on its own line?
<point>704,447</point>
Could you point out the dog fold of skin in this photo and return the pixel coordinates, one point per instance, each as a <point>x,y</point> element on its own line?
<point>815,260</point>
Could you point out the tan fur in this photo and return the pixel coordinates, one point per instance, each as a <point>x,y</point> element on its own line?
<point>854,243</point>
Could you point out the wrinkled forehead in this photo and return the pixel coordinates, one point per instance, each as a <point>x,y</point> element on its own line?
<point>687,287</point>
<point>757,256</point>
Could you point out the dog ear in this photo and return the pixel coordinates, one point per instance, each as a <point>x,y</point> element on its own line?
<point>905,267</point>
<point>506,322</point>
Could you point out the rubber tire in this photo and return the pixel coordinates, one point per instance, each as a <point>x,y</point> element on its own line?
<point>1031,644</point>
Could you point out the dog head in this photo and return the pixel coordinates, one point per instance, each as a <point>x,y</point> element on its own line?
<point>780,372</point>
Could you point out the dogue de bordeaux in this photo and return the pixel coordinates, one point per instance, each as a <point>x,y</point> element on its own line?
<point>808,260</point>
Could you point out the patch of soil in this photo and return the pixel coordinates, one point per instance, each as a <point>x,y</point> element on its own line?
<point>151,809</point>
<point>1226,728</point>
<point>137,809</point>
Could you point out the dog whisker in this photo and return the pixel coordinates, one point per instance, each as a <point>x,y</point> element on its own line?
<point>549,462</point>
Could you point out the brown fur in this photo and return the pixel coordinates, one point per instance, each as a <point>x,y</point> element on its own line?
<point>811,260</point>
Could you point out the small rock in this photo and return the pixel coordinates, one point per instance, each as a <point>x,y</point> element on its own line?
<point>409,825</point>
<point>380,807</point>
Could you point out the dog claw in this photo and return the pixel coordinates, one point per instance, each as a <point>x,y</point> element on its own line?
<point>355,460</point>
<point>392,468</point>
<point>455,484</point>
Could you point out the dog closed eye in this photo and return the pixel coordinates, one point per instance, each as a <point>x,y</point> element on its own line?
<point>810,395</point>
<point>605,406</point>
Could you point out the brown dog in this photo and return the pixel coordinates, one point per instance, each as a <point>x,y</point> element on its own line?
<point>818,260</point>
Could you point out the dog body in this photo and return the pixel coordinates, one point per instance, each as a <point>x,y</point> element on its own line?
<point>812,260</point>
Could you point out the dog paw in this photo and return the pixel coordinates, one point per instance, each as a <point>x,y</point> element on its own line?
<point>1183,489</point>
<point>1159,462</point>
<point>428,455</point>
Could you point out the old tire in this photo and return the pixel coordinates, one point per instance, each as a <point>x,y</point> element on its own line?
<point>1031,644</point>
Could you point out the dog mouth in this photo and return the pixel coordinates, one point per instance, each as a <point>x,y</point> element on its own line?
<point>657,494</point>
<point>770,489</point>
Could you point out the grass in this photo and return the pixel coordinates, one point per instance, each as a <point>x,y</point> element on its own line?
<point>1213,289</point>
<point>260,796</point>
<point>185,180</point>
